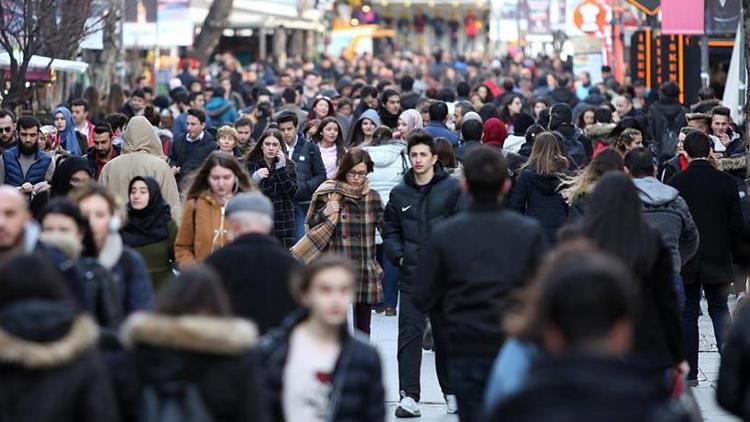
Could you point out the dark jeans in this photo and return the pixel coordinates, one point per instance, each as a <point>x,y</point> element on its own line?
<point>390,278</point>
<point>468,376</point>
<point>411,326</point>
<point>716,296</point>
<point>300,212</point>
<point>679,290</point>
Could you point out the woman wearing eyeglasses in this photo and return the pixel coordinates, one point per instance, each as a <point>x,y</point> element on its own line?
<point>360,213</point>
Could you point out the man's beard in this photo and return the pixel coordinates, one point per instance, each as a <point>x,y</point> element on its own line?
<point>102,153</point>
<point>28,150</point>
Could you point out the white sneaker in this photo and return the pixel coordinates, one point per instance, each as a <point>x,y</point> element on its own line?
<point>407,407</point>
<point>451,404</point>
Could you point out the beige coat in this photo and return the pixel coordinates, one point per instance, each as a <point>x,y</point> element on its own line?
<point>142,155</point>
<point>197,236</point>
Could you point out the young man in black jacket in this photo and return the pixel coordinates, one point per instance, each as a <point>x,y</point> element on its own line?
<point>466,276</point>
<point>190,149</point>
<point>427,196</point>
<point>308,164</point>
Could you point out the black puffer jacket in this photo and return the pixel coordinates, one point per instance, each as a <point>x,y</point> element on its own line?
<point>357,392</point>
<point>733,388</point>
<point>411,214</point>
<point>209,354</point>
<point>49,367</point>
<point>538,197</point>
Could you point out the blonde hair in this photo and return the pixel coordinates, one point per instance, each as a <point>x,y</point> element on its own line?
<point>227,130</point>
<point>546,157</point>
<point>583,183</point>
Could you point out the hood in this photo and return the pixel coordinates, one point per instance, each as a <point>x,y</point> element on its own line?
<point>140,136</point>
<point>653,192</point>
<point>370,114</point>
<point>548,185</point>
<point>561,95</point>
<point>43,334</point>
<point>600,130</point>
<point>670,108</point>
<point>194,333</point>
<point>440,174</point>
<point>385,155</point>
<point>733,163</point>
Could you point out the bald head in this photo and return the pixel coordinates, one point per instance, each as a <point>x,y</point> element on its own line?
<point>14,214</point>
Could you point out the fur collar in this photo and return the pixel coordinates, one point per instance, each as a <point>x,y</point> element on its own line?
<point>600,130</point>
<point>82,336</point>
<point>733,163</point>
<point>195,333</point>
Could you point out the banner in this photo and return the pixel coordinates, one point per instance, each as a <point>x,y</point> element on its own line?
<point>682,17</point>
<point>175,26</point>
<point>538,18</point>
<point>139,27</point>
<point>722,16</point>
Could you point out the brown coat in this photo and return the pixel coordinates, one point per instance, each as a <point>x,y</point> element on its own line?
<point>197,236</point>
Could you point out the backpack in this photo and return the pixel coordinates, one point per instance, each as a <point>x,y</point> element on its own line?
<point>177,401</point>
<point>668,131</point>
<point>575,148</point>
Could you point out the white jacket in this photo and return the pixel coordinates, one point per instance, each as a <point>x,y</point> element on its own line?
<point>391,162</point>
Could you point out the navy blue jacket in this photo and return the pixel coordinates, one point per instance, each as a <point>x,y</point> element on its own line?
<point>14,174</point>
<point>357,392</point>
<point>537,196</point>
<point>440,130</point>
<point>311,171</point>
<point>189,162</point>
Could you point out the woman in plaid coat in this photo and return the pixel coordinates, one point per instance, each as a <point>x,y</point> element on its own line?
<point>360,213</point>
<point>275,175</point>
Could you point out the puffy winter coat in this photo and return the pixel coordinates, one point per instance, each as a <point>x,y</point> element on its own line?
<point>538,197</point>
<point>391,164</point>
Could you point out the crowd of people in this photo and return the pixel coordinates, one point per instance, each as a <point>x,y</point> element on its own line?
<point>198,255</point>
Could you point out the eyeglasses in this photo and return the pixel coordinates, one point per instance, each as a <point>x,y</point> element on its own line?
<point>357,174</point>
<point>6,129</point>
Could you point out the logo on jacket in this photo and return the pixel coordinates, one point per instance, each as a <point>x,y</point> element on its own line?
<point>404,209</point>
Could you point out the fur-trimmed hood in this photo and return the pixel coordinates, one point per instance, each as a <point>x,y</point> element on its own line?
<point>194,333</point>
<point>733,163</point>
<point>600,130</point>
<point>39,335</point>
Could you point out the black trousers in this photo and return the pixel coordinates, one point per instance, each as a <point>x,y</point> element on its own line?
<point>411,328</point>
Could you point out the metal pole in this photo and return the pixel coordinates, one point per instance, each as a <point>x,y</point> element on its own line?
<point>704,60</point>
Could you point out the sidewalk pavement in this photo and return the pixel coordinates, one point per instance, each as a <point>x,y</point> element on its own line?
<point>385,333</point>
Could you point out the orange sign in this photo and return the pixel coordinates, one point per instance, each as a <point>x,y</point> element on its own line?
<point>590,16</point>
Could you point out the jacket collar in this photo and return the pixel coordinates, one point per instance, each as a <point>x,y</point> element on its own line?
<point>253,238</point>
<point>195,333</point>
<point>440,174</point>
<point>82,336</point>
<point>700,163</point>
<point>477,207</point>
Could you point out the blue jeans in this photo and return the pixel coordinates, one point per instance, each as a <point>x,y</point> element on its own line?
<point>468,376</point>
<point>679,291</point>
<point>390,278</point>
<point>300,212</point>
<point>716,296</point>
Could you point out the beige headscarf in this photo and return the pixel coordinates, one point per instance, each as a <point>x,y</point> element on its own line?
<point>140,136</point>
<point>413,120</point>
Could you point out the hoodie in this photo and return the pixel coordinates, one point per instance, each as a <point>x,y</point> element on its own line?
<point>391,163</point>
<point>666,211</point>
<point>369,114</point>
<point>142,155</point>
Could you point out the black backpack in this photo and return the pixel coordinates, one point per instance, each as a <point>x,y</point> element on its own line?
<point>178,401</point>
<point>667,136</point>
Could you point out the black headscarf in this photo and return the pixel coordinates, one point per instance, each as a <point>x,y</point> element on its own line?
<point>148,225</point>
<point>66,168</point>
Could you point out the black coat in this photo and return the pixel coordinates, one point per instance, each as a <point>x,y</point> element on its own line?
<point>357,383</point>
<point>280,187</point>
<point>411,214</point>
<point>311,171</point>
<point>469,279</point>
<point>573,389</point>
<point>537,196</point>
<point>65,379</point>
<point>189,162</point>
<point>714,203</point>
<point>263,294</point>
<point>211,354</point>
<point>733,387</point>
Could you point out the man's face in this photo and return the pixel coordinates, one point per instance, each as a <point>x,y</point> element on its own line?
<point>244,134</point>
<point>103,144</point>
<point>288,132</point>
<point>422,159</point>
<point>622,106</point>
<point>137,103</point>
<point>393,104</point>
<point>7,127</point>
<point>199,102</point>
<point>458,117</point>
<point>194,126</point>
<point>80,114</point>
<point>371,102</point>
<point>311,81</point>
<point>285,81</point>
<point>29,140</point>
<point>719,124</point>
<point>13,219</point>
<point>227,85</point>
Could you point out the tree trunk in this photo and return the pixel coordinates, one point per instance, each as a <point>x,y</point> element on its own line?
<point>213,25</point>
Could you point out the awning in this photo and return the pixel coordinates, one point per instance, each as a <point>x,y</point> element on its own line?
<point>41,62</point>
<point>257,14</point>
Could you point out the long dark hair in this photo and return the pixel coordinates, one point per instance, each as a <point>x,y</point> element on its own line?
<point>197,290</point>
<point>318,136</point>
<point>614,222</point>
<point>256,153</point>
<point>199,179</point>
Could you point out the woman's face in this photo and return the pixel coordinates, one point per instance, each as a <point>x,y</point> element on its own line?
<point>330,132</point>
<point>79,178</point>
<point>515,106</point>
<point>368,127</point>
<point>637,142</point>
<point>357,175</point>
<point>588,118</point>
<point>60,223</point>
<point>482,91</point>
<point>97,210</point>
<point>221,180</point>
<point>402,127</point>
<point>271,147</point>
<point>139,195</point>
<point>227,144</point>
<point>321,109</point>
<point>60,122</point>
<point>538,107</point>
<point>330,295</point>
<point>425,118</point>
